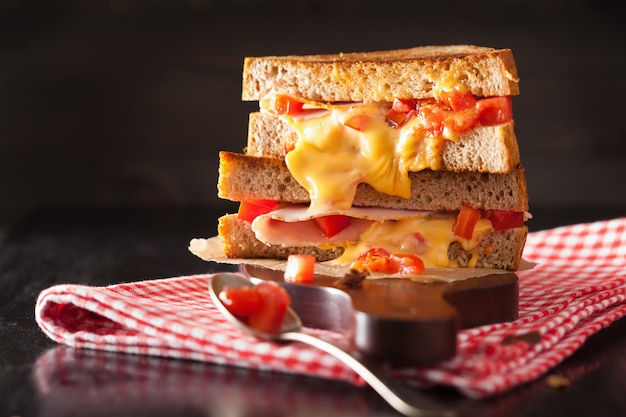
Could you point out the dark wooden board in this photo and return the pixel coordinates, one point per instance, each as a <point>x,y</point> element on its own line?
<point>400,321</point>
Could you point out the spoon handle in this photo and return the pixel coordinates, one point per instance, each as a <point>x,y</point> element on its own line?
<point>404,400</point>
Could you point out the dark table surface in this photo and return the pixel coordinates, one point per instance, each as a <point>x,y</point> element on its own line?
<point>41,378</point>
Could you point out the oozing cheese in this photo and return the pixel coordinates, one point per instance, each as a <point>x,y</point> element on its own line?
<point>398,237</point>
<point>426,234</point>
<point>330,159</point>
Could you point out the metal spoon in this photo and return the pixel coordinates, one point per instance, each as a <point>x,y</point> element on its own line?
<point>404,400</point>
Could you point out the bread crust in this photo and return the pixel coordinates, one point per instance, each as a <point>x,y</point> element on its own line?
<point>248,177</point>
<point>482,149</point>
<point>382,75</point>
<point>240,242</point>
<point>498,249</point>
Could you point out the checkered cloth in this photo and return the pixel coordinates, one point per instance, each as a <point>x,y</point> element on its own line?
<point>578,287</point>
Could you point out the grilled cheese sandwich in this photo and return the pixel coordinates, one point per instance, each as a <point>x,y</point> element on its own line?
<point>338,167</point>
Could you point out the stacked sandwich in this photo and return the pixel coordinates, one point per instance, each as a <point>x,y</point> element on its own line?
<point>358,155</point>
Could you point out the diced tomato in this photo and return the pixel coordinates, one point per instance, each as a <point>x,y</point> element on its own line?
<point>503,219</point>
<point>381,260</point>
<point>275,302</point>
<point>300,268</point>
<point>262,307</point>
<point>398,119</point>
<point>410,115</point>
<point>409,264</point>
<point>241,301</point>
<point>358,122</point>
<point>401,110</point>
<point>332,224</point>
<point>457,100</point>
<point>495,110</point>
<point>433,119</point>
<point>462,121</point>
<point>373,260</point>
<point>250,209</point>
<point>395,117</point>
<point>465,222</point>
<point>401,105</point>
<point>288,105</point>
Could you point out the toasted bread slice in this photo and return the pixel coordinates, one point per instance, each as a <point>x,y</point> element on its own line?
<point>244,177</point>
<point>240,242</point>
<point>482,149</point>
<point>498,249</point>
<point>381,76</point>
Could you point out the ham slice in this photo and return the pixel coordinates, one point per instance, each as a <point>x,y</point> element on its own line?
<point>294,225</point>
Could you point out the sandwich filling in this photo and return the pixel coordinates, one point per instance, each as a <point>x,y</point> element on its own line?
<point>341,145</point>
<point>426,234</point>
<point>359,230</point>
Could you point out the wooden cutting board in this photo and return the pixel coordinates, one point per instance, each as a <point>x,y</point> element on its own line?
<point>399,321</point>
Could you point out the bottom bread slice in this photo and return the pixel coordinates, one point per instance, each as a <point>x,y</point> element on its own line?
<point>498,249</point>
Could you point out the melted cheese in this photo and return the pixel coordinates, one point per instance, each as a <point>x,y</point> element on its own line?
<point>330,159</point>
<point>397,236</point>
<point>394,230</point>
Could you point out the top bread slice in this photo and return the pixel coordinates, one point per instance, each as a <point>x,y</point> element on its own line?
<point>381,76</point>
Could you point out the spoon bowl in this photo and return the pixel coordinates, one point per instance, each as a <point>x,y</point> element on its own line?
<point>404,400</point>
<point>291,322</point>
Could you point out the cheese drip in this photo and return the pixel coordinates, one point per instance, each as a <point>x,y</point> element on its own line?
<point>330,159</point>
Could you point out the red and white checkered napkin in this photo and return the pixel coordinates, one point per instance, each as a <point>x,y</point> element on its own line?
<point>578,287</point>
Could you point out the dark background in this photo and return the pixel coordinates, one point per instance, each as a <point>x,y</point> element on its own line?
<point>112,113</point>
<point>126,103</point>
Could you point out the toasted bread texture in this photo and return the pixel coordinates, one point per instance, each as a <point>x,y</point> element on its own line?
<point>240,242</point>
<point>381,76</point>
<point>498,249</point>
<point>482,149</point>
<point>244,177</point>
